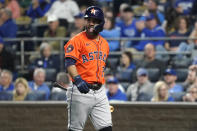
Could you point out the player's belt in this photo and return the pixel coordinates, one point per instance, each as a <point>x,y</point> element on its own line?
<point>95,86</point>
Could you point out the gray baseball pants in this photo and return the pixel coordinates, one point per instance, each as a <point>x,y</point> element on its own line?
<point>93,104</point>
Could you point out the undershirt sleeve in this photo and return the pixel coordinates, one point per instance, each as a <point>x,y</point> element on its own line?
<point>69,61</point>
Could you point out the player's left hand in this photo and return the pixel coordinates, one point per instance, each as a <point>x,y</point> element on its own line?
<point>81,84</point>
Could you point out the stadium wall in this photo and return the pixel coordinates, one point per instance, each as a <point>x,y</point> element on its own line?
<point>52,116</point>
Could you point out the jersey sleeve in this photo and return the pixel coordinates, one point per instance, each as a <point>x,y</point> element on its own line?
<point>107,48</point>
<point>72,49</point>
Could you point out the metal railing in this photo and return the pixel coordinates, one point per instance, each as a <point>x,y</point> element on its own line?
<point>22,41</point>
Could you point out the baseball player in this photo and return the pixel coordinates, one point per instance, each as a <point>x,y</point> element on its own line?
<point>85,56</point>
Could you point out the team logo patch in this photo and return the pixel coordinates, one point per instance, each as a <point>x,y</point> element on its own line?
<point>93,11</point>
<point>69,48</point>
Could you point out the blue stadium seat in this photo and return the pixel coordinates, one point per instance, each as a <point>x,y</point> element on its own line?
<point>154,74</point>
<point>24,31</point>
<point>48,83</point>
<point>36,96</point>
<point>181,74</point>
<point>144,97</point>
<point>178,96</point>
<point>50,74</point>
<point>125,85</point>
<point>6,96</point>
<point>113,62</point>
<point>181,63</point>
<point>58,96</point>
<point>124,75</point>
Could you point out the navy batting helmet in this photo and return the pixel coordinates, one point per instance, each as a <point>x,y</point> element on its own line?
<point>97,13</point>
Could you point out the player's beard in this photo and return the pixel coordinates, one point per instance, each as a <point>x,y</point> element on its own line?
<point>91,31</point>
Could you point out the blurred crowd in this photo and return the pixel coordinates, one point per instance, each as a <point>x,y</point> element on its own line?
<point>139,73</point>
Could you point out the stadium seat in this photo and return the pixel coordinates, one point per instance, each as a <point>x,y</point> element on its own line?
<point>50,74</point>
<point>25,31</point>
<point>124,75</point>
<point>178,96</point>
<point>58,96</point>
<point>181,74</point>
<point>183,63</point>
<point>23,20</point>
<point>36,96</point>
<point>48,83</point>
<point>113,62</point>
<point>144,97</point>
<point>6,96</point>
<point>137,61</point>
<point>125,85</point>
<point>154,74</point>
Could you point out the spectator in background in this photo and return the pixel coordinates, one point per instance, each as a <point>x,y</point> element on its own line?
<point>65,10</point>
<point>56,93</point>
<point>38,83</point>
<point>63,79</point>
<point>109,14</point>
<point>114,93</point>
<point>8,28</point>
<point>161,92</point>
<point>191,78</point>
<point>150,61</point>
<point>110,31</point>
<point>181,31</point>
<point>191,95</point>
<point>2,4</point>
<point>124,71</point>
<point>6,81</point>
<point>152,8</point>
<point>6,58</point>
<point>111,76</point>
<point>193,34</point>
<point>184,7</point>
<point>128,26</point>
<point>142,90</point>
<point>14,7</point>
<point>46,60</point>
<point>127,61</point>
<point>170,78</point>
<point>119,18</point>
<point>79,24</point>
<point>38,8</point>
<point>54,30</point>
<point>194,61</point>
<point>151,28</point>
<point>21,89</point>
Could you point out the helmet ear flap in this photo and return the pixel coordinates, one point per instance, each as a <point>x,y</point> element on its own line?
<point>99,28</point>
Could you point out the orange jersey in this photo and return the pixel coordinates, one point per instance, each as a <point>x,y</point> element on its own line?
<point>90,56</point>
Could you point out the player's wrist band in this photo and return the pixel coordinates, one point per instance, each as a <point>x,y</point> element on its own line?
<point>77,78</point>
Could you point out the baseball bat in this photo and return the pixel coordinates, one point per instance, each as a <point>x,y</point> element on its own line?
<point>58,85</point>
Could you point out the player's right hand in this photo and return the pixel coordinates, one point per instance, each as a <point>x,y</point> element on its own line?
<point>81,84</point>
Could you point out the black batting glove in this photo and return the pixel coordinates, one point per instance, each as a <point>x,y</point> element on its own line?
<point>81,84</point>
